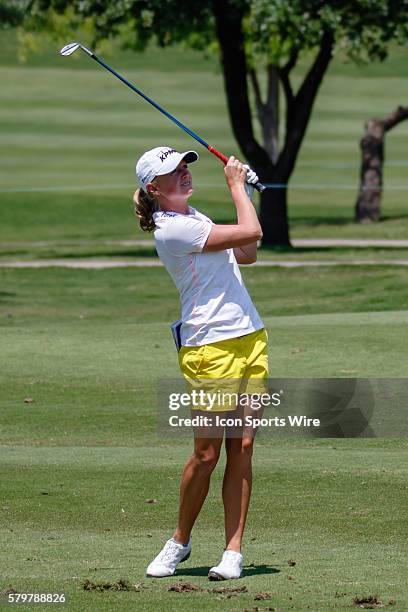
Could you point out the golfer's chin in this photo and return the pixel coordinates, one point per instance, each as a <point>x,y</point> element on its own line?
<point>189,191</point>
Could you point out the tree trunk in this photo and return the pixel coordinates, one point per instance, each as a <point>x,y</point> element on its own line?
<point>268,112</point>
<point>368,205</point>
<point>274,218</point>
<point>229,16</point>
<point>372,149</point>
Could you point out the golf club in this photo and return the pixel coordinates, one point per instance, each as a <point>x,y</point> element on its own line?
<point>72,47</point>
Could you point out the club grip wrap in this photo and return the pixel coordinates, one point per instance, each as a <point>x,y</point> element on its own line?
<point>220,156</point>
<point>258,186</point>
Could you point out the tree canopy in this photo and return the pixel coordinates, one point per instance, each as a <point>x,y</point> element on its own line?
<point>12,13</point>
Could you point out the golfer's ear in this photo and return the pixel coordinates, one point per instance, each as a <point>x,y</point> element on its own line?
<point>152,189</point>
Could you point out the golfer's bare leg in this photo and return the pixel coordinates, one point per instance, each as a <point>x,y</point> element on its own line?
<point>237,483</point>
<point>195,481</point>
<point>236,489</point>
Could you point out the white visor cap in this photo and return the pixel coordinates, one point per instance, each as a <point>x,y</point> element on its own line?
<point>160,160</point>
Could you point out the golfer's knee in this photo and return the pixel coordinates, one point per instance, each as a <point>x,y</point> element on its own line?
<point>206,459</point>
<point>240,449</point>
<point>247,448</point>
<point>247,444</point>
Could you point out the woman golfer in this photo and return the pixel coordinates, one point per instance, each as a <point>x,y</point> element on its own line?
<point>222,335</point>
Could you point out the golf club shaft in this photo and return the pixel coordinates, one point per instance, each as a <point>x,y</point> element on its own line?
<point>258,186</point>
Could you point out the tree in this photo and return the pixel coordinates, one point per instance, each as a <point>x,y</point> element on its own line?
<point>368,203</point>
<point>253,36</point>
<point>11,13</point>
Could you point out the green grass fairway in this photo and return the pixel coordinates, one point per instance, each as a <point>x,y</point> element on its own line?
<point>80,513</point>
<point>83,457</point>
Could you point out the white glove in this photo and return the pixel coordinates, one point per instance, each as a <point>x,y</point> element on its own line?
<point>251,179</point>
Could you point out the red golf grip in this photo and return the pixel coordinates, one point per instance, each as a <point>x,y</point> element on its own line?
<point>258,186</point>
<point>220,156</point>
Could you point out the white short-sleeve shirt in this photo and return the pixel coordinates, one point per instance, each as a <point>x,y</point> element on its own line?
<point>215,304</point>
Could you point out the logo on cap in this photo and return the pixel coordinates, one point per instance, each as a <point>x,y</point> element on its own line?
<point>164,154</point>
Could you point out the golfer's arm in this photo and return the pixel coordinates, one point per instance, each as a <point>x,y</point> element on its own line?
<point>245,233</point>
<point>246,254</point>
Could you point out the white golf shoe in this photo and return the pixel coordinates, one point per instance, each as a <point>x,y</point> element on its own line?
<point>230,566</point>
<point>168,558</point>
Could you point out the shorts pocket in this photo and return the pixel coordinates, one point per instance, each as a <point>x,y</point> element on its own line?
<point>191,359</point>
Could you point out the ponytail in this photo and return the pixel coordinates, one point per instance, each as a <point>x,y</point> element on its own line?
<point>145,205</point>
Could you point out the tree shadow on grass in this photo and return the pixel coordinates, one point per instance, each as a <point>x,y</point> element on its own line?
<point>86,254</point>
<point>312,221</point>
<point>393,217</point>
<point>293,249</point>
<point>12,252</point>
<point>315,221</point>
<point>6,297</point>
<point>250,570</point>
<point>321,220</point>
<point>334,250</point>
<point>340,221</point>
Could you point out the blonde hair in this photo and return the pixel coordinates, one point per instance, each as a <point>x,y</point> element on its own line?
<point>145,205</point>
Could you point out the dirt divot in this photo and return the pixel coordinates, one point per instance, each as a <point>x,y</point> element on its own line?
<point>119,585</point>
<point>184,587</point>
<point>371,601</point>
<point>188,587</point>
<point>262,596</point>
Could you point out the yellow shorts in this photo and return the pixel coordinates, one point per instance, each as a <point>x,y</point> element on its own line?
<point>223,370</point>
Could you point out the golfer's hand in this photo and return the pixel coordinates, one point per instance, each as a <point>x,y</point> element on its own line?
<point>251,180</point>
<point>235,173</point>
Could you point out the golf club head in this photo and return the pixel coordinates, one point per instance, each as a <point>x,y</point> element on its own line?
<point>69,49</point>
<point>72,47</point>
